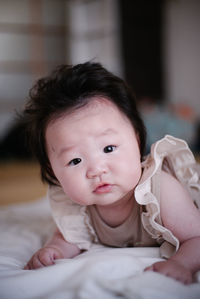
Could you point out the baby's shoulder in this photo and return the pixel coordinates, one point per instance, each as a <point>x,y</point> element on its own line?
<point>178,212</point>
<point>170,186</point>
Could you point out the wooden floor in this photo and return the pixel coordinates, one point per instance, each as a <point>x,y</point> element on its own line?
<point>20,182</point>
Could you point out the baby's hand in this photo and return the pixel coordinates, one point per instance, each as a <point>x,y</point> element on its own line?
<point>172,269</point>
<point>45,256</point>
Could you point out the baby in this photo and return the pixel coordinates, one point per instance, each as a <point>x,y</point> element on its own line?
<point>87,134</point>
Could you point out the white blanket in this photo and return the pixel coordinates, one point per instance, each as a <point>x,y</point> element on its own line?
<point>102,272</point>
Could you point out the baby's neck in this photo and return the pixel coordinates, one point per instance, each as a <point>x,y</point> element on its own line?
<point>116,214</point>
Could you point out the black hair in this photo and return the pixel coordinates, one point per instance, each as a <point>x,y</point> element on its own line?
<point>68,88</point>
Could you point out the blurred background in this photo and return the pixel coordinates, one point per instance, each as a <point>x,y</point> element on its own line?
<point>153,45</point>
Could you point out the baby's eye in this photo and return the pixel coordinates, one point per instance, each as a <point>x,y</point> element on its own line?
<point>109,149</point>
<point>74,162</point>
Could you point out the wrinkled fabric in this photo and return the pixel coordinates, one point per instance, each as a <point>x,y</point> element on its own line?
<point>101,272</point>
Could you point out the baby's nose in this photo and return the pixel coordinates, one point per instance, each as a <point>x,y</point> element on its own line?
<point>96,170</point>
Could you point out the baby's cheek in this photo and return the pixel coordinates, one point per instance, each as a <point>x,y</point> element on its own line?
<point>68,189</point>
<point>133,177</point>
<point>75,192</point>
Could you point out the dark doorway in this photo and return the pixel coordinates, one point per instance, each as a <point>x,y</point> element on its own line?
<point>141,27</point>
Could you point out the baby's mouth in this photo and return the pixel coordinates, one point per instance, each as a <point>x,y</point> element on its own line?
<point>103,188</point>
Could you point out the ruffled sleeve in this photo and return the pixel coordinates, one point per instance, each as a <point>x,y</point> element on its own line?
<point>151,220</point>
<point>174,156</point>
<point>71,219</point>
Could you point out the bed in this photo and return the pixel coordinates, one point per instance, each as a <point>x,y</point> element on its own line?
<point>102,272</point>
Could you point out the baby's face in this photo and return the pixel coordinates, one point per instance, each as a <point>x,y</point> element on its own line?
<point>94,154</point>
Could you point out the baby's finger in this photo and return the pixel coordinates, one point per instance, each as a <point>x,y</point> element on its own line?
<point>29,265</point>
<point>149,268</point>
<point>46,259</point>
<point>36,263</point>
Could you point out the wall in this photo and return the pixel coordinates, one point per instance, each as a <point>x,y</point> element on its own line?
<point>94,33</point>
<point>32,41</point>
<point>182,52</point>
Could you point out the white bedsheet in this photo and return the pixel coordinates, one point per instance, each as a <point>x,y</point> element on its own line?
<point>102,272</point>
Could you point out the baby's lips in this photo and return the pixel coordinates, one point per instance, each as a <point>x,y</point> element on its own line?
<point>103,188</point>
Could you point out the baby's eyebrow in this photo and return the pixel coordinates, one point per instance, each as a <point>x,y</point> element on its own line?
<point>65,149</point>
<point>108,131</point>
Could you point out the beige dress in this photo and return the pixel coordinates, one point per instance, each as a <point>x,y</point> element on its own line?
<point>83,226</point>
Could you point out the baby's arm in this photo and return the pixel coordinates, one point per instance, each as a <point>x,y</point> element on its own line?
<point>55,248</point>
<point>180,215</point>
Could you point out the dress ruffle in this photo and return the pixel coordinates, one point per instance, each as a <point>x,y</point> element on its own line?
<point>71,219</point>
<point>174,156</point>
